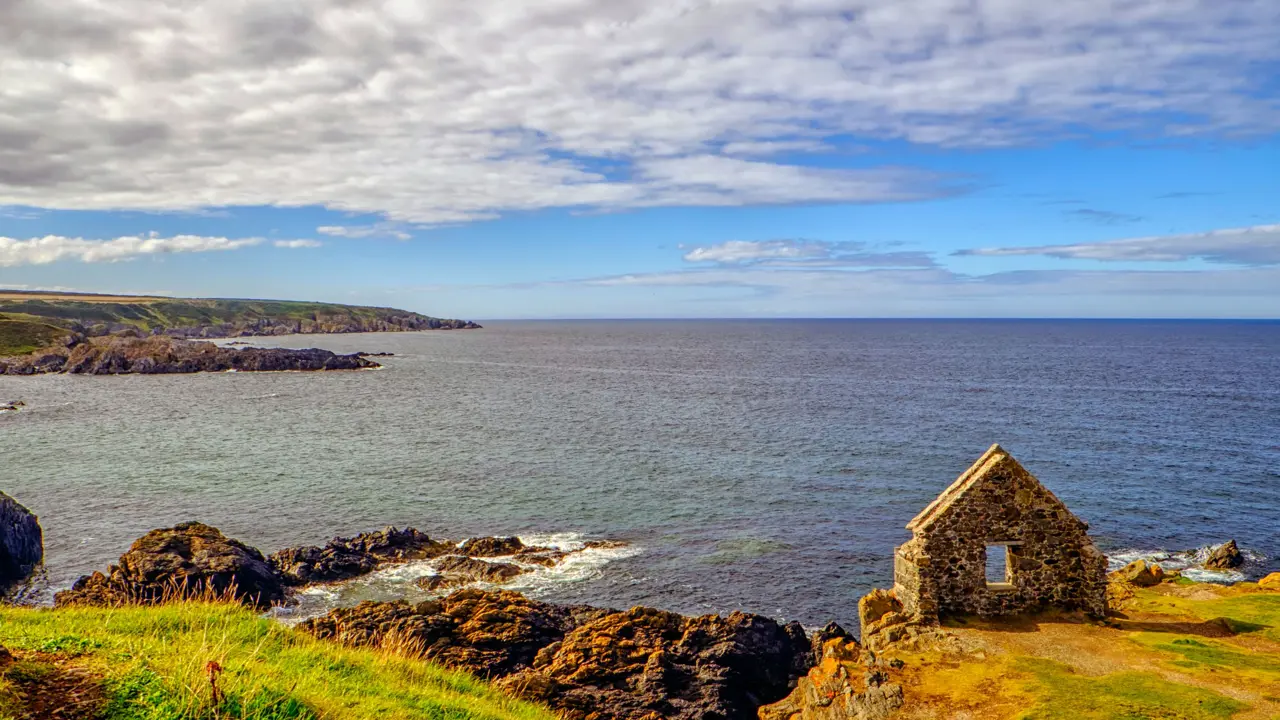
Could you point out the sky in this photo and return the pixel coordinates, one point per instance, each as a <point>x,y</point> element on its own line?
<point>489,159</point>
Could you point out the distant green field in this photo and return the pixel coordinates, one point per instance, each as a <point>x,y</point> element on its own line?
<point>19,337</point>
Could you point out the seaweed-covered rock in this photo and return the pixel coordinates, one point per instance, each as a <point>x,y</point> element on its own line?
<point>345,558</point>
<point>187,559</point>
<point>21,542</point>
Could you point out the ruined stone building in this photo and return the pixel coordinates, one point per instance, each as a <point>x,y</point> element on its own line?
<point>998,542</point>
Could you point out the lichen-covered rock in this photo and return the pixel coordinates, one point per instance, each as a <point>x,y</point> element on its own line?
<point>21,542</point>
<point>187,559</point>
<point>345,558</point>
<point>1270,582</point>
<point>832,631</point>
<point>646,663</point>
<point>846,684</point>
<point>1140,573</point>
<point>457,570</point>
<point>1224,557</point>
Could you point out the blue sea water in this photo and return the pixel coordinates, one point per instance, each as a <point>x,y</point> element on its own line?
<point>768,466</point>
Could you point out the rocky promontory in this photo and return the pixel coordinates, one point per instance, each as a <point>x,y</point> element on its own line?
<point>21,542</point>
<point>116,355</point>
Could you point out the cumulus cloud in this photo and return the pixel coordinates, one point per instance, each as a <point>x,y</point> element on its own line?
<point>294,244</point>
<point>1257,245</point>
<point>55,248</point>
<point>802,254</point>
<point>455,111</point>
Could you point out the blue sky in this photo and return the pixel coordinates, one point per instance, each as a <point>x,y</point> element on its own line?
<point>593,158</point>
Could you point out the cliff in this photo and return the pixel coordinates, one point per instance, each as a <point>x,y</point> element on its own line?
<point>29,321</point>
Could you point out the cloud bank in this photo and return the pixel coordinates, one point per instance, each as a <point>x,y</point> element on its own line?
<point>804,254</point>
<point>455,111</point>
<point>1257,245</point>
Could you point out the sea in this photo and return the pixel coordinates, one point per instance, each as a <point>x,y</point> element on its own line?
<point>760,465</point>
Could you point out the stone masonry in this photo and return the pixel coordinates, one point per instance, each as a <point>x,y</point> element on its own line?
<point>996,504</point>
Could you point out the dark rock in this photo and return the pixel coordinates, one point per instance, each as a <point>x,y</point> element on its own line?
<point>492,547</point>
<point>820,638</point>
<point>345,558</point>
<point>185,560</point>
<point>1224,557</point>
<point>545,558</point>
<point>21,542</point>
<point>115,355</point>
<point>457,570</point>
<point>647,663</point>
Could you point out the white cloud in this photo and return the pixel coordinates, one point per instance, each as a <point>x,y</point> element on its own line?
<point>294,244</point>
<point>454,111</point>
<point>364,231</point>
<point>1258,245</point>
<point>804,254</point>
<point>55,248</point>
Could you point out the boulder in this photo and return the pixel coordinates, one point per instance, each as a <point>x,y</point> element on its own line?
<point>21,542</point>
<point>1224,557</point>
<point>1270,582</point>
<point>646,663</point>
<point>345,558</point>
<point>876,604</point>
<point>186,560</point>
<point>457,570</point>
<point>1140,574</point>
<point>831,632</point>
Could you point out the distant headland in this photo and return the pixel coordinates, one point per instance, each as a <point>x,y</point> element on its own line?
<point>44,332</point>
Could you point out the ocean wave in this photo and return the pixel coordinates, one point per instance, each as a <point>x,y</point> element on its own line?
<point>399,582</point>
<point>1190,562</point>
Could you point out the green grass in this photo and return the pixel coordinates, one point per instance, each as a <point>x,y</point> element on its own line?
<point>19,337</point>
<point>1061,694</point>
<point>1249,613</point>
<point>152,662</point>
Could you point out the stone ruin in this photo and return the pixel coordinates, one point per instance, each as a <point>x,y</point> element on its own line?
<point>997,542</point>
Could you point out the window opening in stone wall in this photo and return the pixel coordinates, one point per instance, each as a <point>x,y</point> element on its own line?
<point>998,565</point>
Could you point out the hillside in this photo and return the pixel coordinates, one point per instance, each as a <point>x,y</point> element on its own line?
<point>32,320</point>
<point>152,664</point>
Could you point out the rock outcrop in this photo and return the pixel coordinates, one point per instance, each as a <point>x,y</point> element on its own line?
<point>345,558</point>
<point>458,570</point>
<point>162,355</point>
<point>494,547</point>
<point>846,684</point>
<point>185,560</point>
<point>21,542</point>
<point>1270,582</point>
<point>1139,573</point>
<point>588,662</point>
<point>1226,556</point>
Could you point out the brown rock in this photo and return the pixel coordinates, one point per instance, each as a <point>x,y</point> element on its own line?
<point>1224,557</point>
<point>1270,582</point>
<point>187,559</point>
<point>545,558</point>
<point>841,687</point>
<point>492,547</point>
<point>1140,574</point>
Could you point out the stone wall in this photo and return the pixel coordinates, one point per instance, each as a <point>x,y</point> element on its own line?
<point>1052,563</point>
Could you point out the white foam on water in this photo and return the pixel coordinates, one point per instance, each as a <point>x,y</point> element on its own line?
<point>1188,562</point>
<point>398,581</point>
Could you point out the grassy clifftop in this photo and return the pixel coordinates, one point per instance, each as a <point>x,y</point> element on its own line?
<point>152,664</point>
<point>29,320</point>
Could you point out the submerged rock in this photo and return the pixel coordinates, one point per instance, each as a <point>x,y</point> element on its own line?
<point>1224,557</point>
<point>185,560</point>
<point>345,558</point>
<point>21,542</point>
<point>589,662</point>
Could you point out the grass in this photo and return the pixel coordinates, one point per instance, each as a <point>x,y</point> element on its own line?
<point>19,337</point>
<point>153,665</point>
<point>1061,694</point>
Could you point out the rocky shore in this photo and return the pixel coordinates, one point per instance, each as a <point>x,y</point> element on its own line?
<point>117,355</point>
<point>21,543</point>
